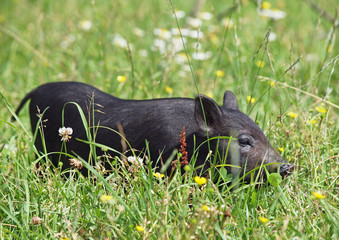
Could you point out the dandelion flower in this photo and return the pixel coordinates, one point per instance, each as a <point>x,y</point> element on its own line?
<point>200,180</point>
<point>65,133</point>
<point>281,149</point>
<point>139,228</point>
<point>158,175</point>
<point>265,5</point>
<point>121,78</point>
<point>206,208</point>
<point>292,114</point>
<point>105,198</point>
<point>321,110</point>
<point>250,99</point>
<point>169,89</point>
<point>85,25</point>
<point>317,195</point>
<point>263,219</point>
<point>311,121</point>
<point>219,73</point>
<point>260,64</point>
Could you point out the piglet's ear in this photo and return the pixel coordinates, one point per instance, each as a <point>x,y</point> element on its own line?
<point>230,101</point>
<point>207,109</point>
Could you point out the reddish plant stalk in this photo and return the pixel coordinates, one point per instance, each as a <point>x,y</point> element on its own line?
<point>182,150</point>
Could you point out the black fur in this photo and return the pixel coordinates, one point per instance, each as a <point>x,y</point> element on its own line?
<point>159,121</point>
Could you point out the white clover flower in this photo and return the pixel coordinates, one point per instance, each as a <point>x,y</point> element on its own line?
<point>176,44</point>
<point>119,41</point>
<point>179,14</point>
<point>159,45</point>
<point>272,37</point>
<point>205,16</point>
<point>228,23</point>
<point>273,14</point>
<point>162,33</point>
<point>68,40</point>
<point>196,34</point>
<point>85,25</point>
<point>138,32</point>
<point>202,56</point>
<point>180,58</point>
<point>194,22</point>
<point>65,133</point>
<point>143,52</point>
<point>135,160</point>
<point>184,32</point>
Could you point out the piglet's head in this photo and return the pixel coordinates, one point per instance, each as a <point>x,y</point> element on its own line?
<point>249,147</point>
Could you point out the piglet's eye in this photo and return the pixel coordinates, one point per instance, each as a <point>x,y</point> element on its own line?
<point>245,140</point>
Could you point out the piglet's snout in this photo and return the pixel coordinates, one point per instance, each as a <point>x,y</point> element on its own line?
<point>286,169</point>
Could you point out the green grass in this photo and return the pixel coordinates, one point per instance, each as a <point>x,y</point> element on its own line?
<point>302,62</point>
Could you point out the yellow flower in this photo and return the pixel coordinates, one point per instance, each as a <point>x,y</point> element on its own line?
<point>139,228</point>
<point>169,89</point>
<point>105,198</point>
<point>219,73</point>
<point>206,208</point>
<point>265,5</point>
<point>209,94</point>
<point>329,49</point>
<point>121,78</point>
<point>263,219</point>
<point>321,110</point>
<point>312,122</point>
<point>317,195</point>
<point>271,83</point>
<point>250,99</point>
<point>260,63</point>
<point>2,18</point>
<point>228,23</point>
<point>292,114</point>
<point>200,180</point>
<point>281,149</point>
<point>158,175</point>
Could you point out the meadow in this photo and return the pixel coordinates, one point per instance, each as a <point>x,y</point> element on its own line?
<point>279,57</point>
